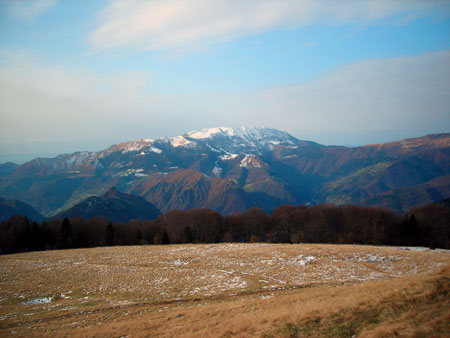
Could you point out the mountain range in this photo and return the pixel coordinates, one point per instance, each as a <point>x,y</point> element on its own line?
<point>233,169</point>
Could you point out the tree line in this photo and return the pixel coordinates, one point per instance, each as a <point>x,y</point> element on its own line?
<point>427,225</point>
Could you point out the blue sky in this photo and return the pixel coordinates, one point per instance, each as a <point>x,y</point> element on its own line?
<point>82,75</point>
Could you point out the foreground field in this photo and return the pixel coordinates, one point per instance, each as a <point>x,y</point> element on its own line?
<point>226,290</point>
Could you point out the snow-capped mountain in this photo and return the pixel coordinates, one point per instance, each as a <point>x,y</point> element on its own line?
<point>236,168</point>
<point>226,143</point>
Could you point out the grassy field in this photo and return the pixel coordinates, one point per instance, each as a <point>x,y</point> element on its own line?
<point>227,290</point>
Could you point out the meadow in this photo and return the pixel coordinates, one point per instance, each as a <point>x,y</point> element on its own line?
<point>227,290</point>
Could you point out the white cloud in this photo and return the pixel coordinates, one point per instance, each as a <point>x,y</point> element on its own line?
<point>29,10</point>
<point>174,24</point>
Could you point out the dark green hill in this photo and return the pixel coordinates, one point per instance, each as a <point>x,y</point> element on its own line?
<point>9,208</point>
<point>115,206</point>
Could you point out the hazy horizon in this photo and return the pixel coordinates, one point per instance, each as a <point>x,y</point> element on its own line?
<point>83,75</point>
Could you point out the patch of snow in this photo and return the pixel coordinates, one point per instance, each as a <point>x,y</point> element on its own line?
<point>178,262</point>
<point>208,132</point>
<point>41,300</point>
<point>128,172</point>
<point>156,150</point>
<point>441,250</point>
<point>250,161</point>
<point>213,149</point>
<point>179,141</point>
<point>228,157</point>
<point>216,171</point>
<point>414,248</point>
<point>301,261</point>
<point>134,145</point>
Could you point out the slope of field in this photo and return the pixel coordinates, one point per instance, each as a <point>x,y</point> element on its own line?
<point>226,290</point>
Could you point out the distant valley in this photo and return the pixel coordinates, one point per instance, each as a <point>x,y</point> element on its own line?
<point>234,169</point>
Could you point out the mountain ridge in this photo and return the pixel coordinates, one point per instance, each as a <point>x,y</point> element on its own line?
<point>10,208</point>
<point>114,205</point>
<point>235,168</point>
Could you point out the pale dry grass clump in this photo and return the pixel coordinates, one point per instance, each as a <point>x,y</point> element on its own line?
<point>226,290</point>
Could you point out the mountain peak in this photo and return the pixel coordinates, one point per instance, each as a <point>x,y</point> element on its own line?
<point>112,193</point>
<point>209,132</point>
<point>242,139</point>
<point>243,132</point>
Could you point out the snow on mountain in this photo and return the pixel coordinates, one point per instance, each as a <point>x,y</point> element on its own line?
<point>179,141</point>
<point>241,140</point>
<point>216,171</point>
<point>64,161</point>
<point>246,133</point>
<point>156,150</point>
<point>226,142</point>
<point>134,145</point>
<point>228,157</point>
<point>250,161</point>
<point>236,168</point>
<point>208,132</point>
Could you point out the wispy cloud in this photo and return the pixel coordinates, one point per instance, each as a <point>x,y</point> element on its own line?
<point>42,102</point>
<point>400,94</point>
<point>403,95</point>
<point>28,10</point>
<point>175,24</point>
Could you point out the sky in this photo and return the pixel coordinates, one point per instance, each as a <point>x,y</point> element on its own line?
<point>83,75</point>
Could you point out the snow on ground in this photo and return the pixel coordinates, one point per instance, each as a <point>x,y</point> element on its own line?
<point>69,279</point>
<point>41,300</point>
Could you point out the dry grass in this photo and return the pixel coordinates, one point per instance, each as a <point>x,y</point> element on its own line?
<point>227,290</point>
